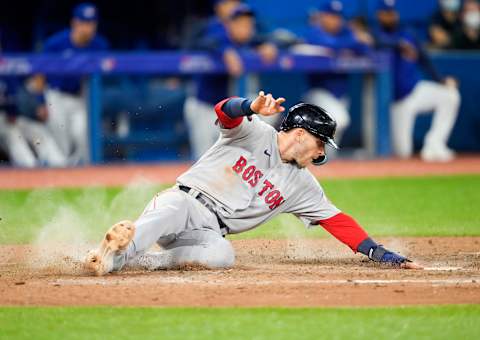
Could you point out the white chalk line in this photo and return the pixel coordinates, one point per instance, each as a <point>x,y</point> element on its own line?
<point>442,268</point>
<point>168,280</point>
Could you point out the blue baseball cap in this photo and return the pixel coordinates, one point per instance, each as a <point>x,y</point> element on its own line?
<point>85,12</point>
<point>386,5</point>
<point>240,10</point>
<point>332,7</point>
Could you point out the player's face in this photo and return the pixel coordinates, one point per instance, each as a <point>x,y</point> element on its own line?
<point>242,29</point>
<point>388,19</point>
<point>225,8</point>
<point>308,148</point>
<point>37,82</point>
<point>84,30</point>
<point>332,23</point>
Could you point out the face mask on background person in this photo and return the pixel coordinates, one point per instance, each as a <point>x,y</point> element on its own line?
<point>472,19</point>
<point>450,5</point>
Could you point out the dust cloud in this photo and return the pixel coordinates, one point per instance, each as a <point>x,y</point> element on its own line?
<point>73,228</point>
<point>301,249</point>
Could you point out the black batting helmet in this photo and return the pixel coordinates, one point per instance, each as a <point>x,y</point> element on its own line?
<point>315,120</point>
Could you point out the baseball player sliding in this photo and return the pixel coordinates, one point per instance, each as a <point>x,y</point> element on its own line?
<point>250,175</point>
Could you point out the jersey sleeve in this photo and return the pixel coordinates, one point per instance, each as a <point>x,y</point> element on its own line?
<point>57,42</point>
<point>312,205</point>
<point>351,42</point>
<point>240,127</point>
<point>101,43</point>
<point>51,44</point>
<point>345,229</point>
<point>224,120</point>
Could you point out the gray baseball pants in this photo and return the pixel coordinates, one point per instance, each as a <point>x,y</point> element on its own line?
<point>187,231</point>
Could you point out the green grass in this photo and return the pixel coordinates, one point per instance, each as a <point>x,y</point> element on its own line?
<point>421,206</point>
<point>435,322</point>
<point>401,206</point>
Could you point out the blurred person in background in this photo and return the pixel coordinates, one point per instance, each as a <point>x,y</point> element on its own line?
<point>31,122</point>
<point>212,26</point>
<point>223,9</point>
<point>23,132</point>
<point>239,35</point>
<point>467,36</point>
<point>11,139</point>
<point>12,142</point>
<point>329,29</point>
<point>65,95</point>
<point>412,94</point>
<point>444,23</point>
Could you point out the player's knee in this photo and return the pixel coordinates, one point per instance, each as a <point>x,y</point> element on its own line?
<point>222,254</point>
<point>455,97</point>
<point>450,96</point>
<point>167,203</point>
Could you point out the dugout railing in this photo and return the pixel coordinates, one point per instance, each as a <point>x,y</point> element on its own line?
<point>376,96</point>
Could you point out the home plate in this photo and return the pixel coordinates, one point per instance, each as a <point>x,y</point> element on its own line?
<point>442,268</point>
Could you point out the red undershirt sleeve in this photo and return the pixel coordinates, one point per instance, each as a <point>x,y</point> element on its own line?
<point>225,120</point>
<point>345,229</point>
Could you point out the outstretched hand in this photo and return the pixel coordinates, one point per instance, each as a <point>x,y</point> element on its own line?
<point>266,105</point>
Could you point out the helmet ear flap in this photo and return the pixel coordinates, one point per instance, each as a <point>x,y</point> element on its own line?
<point>320,160</point>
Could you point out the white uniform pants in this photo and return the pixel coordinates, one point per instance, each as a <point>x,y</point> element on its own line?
<point>426,96</point>
<point>24,134</point>
<point>42,141</point>
<point>15,144</point>
<point>336,107</point>
<point>200,118</point>
<point>186,230</point>
<point>68,122</point>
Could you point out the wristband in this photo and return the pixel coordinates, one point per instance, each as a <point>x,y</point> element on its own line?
<point>378,253</point>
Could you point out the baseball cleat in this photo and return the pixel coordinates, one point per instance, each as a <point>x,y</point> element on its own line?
<point>439,154</point>
<point>102,260</point>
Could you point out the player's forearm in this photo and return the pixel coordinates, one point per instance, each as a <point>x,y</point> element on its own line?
<point>348,231</point>
<point>345,229</point>
<point>237,107</point>
<point>230,111</point>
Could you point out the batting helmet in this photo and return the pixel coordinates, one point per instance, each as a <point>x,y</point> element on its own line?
<point>315,120</point>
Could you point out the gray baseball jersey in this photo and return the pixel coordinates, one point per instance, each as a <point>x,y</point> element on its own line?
<point>246,179</point>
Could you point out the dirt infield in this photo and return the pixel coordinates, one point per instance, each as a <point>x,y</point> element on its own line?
<point>268,273</point>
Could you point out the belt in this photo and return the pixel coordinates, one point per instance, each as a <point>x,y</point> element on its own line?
<point>201,198</point>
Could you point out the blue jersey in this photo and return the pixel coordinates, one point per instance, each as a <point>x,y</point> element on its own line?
<point>9,42</point>
<point>8,87</point>
<point>213,88</point>
<point>343,40</point>
<point>61,43</point>
<point>28,101</point>
<point>214,27</point>
<point>406,73</point>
